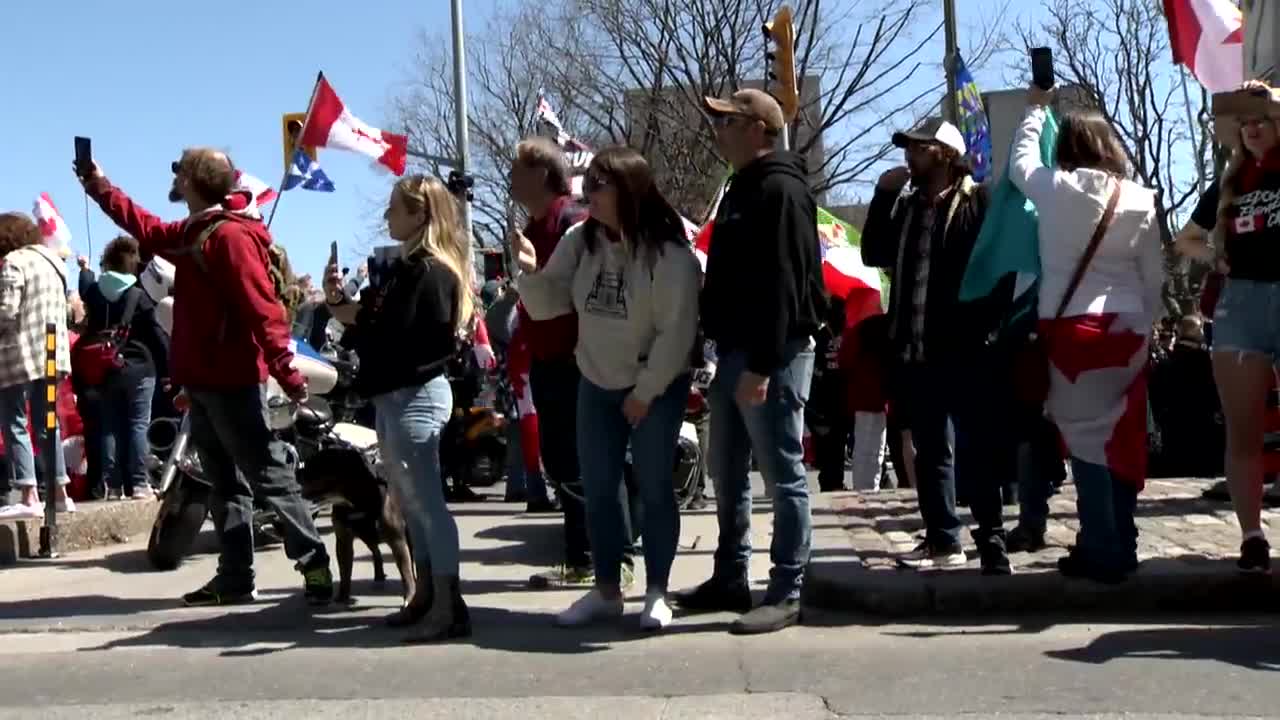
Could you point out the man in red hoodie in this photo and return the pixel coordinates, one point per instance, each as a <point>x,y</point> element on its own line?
<point>229,333</point>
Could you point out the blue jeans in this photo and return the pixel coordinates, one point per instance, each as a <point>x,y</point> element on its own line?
<point>126,414</point>
<point>1039,464</point>
<point>1108,536</point>
<point>17,440</point>
<point>243,459</point>
<point>603,437</point>
<point>773,433</point>
<point>410,421</point>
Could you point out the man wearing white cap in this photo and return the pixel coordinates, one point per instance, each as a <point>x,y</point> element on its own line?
<point>944,360</point>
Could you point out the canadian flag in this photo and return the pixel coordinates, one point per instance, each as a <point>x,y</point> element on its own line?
<point>1207,37</point>
<point>52,227</point>
<point>331,124</point>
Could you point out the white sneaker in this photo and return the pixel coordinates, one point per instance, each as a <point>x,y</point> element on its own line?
<point>657,613</point>
<point>21,511</point>
<point>590,608</point>
<point>143,492</point>
<point>65,505</point>
<point>114,494</point>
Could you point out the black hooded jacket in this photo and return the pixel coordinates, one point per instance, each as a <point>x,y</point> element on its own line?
<point>764,287</point>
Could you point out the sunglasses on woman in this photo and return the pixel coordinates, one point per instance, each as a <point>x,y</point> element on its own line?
<point>593,182</point>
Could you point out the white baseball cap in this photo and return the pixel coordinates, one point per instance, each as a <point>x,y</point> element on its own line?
<point>933,130</point>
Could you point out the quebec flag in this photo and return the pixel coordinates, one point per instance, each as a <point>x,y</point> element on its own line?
<point>973,122</point>
<point>306,172</point>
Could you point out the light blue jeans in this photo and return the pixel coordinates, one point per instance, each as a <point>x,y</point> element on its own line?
<point>603,436</point>
<point>410,422</point>
<point>17,440</point>
<point>773,433</point>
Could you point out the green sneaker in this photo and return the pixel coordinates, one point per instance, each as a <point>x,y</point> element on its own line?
<point>318,586</point>
<point>563,577</point>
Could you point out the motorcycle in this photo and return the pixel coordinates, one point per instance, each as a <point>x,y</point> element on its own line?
<point>185,492</point>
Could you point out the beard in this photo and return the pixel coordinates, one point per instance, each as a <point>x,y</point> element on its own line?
<point>174,195</point>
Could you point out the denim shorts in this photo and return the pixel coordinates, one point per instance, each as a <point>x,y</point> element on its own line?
<point>1247,318</point>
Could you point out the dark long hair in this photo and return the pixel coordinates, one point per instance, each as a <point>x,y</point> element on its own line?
<point>1086,140</point>
<point>647,219</point>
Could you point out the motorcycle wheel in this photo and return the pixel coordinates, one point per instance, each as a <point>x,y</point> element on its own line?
<point>178,522</point>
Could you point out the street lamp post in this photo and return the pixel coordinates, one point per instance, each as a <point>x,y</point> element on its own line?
<point>460,106</point>
<point>951,107</point>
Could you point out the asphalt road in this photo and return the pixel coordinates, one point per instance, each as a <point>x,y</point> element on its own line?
<point>97,635</point>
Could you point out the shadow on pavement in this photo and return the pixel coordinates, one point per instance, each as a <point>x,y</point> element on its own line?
<point>1253,647</point>
<point>291,625</point>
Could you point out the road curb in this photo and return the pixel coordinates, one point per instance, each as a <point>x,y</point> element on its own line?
<point>94,524</point>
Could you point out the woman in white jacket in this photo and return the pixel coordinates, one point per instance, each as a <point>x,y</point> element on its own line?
<point>633,279</point>
<point>1096,324</point>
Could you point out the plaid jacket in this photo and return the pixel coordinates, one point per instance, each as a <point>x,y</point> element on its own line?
<point>33,292</point>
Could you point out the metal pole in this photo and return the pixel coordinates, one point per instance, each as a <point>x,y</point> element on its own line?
<point>460,105</point>
<point>1201,179</point>
<point>951,108</point>
<point>297,144</point>
<point>51,446</point>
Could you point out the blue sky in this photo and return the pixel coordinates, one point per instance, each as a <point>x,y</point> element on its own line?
<point>145,78</point>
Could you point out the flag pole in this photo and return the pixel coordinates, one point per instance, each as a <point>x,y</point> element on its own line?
<point>296,144</point>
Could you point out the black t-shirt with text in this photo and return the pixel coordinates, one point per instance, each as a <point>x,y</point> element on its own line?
<point>1252,242</point>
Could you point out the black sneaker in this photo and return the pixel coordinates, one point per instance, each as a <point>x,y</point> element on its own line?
<point>1072,565</point>
<point>544,505</point>
<point>768,618</point>
<point>1023,539</point>
<point>213,594</point>
<point>317,586</point>
<point>716,595</point>
<point>927,556</point>
<point>1255,557</point>
<point>995,561</point>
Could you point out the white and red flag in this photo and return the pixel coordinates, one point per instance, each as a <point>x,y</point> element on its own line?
<point>1207,36</point>
<point>53,228</point>
<point>262,193</point>
<point>331,124</point>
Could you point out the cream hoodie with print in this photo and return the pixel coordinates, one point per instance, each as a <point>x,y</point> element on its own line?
<point>637,312</point>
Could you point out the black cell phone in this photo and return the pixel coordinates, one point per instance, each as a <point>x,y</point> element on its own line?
<point>1042,68</point>
<point>84,156</point>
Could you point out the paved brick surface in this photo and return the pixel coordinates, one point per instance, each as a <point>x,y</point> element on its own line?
<point>1187,546</point>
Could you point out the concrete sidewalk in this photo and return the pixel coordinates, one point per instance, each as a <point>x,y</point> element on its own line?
<point>1187,546</point>
<point>114,587</point>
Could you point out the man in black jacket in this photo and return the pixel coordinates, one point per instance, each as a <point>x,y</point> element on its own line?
<point>760,305</point>
<point>950,378</point>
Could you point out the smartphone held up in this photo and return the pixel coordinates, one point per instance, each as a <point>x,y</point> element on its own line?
<point>84,157</point>
<point>1042,68</point>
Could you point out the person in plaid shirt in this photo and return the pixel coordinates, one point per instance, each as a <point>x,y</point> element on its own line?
<point>33,293</point>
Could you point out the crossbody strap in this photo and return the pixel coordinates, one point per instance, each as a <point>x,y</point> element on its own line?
<point>130,307</point>
<point>1103,225</point>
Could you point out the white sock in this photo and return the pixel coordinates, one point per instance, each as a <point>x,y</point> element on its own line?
<point>657,612</point>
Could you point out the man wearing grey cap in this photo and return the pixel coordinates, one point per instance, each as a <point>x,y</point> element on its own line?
<point>945,365</point>
<point>760,305</point>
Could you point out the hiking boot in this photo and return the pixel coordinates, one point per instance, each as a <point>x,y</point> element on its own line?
<point>717,595</point>
<point>768,618</point>
<point>1023,539</point>
<point>317,586</point>
<point>563,577</point>
<point>217,594</point>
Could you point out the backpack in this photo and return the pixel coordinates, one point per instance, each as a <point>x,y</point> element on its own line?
<point>96,357</point>
<point>283,281</point>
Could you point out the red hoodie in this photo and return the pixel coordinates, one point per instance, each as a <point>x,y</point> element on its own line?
<point>229,329</point>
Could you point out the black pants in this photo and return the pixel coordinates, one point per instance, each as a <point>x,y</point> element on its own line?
<point>229,430</point>
<point>89,405</point>
<point>830,448</point>
<point>555,395</point>
<point>959,413</point>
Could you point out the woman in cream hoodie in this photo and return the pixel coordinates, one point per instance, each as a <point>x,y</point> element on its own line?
<point>633,279</point>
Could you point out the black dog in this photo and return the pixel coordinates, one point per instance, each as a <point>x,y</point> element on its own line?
<point>363,508</point>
